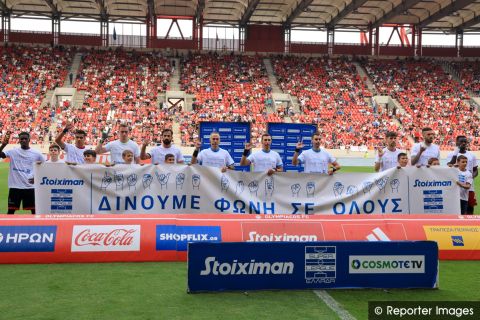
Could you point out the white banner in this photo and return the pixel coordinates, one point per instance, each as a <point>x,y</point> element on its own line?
<point>82,189</point>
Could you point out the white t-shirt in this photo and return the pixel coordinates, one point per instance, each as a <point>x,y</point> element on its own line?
<point>218,159</point>
<point>471,162</point>
<point>464,177</point>
<point>432,151</point>
<point>116,149</point>
<point>316,161</point>
<point>58,161</point>
<point>74,154</point>
<point>388,160</point>
<point>472,159</point>
<point>264,161</point>
<point>21,167</point>
<point>158,154</point>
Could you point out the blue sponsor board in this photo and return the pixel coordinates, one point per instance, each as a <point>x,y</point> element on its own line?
<point>233,136</point>
<point>61,200</point>
<point>173,237</point>
<point>432,201</point>
<point>27,238</point>
<point>457,241</point>
<point>311,265</point>
<point>285,137</point>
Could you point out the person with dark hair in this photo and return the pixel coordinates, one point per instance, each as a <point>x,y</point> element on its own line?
<point>265,160</point>
<point>425,150</point>
<point>316,159</point>
<point>158,153</point>
<point>387,157</point>
<point>402,160</point>
<point>118,146</point>
<point>213,156</point>
<point>90,156</point>
<point>74,151</point>
<point>433,162</point>
<point>20,177</point>
<point>462,149</point>
<point>127,156</point>
<point>465,181</point>
<point>169,158</point>
<point>54,153</point>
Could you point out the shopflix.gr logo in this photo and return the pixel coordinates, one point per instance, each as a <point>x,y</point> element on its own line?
<point>173,237</point>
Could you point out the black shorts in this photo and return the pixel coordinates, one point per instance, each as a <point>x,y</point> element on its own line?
<point>17,196</point>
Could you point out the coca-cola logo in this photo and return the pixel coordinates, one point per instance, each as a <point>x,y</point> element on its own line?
<point>117,237</point>
<point>106,238</point>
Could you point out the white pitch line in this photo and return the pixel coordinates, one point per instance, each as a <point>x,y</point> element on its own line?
<point>333,304</point>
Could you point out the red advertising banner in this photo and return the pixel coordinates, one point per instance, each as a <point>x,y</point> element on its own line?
<point>108,238</point>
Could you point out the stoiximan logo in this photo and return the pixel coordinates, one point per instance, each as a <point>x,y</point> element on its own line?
<point>387,264</point>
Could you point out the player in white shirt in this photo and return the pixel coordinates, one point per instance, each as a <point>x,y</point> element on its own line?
<point>387,157</point>
<point>265,160</point>
<point>465,181</point>
<point>20,177</point>
<point>213,156</point>
<point>117,147</point>
<point>316,159</point>
<point>74,151</point>
<point>54,153</point>
<point>158,154</point>
<point>461,149</point>
<point>425,150</point>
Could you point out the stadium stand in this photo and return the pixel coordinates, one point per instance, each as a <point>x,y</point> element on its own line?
<point>27,73</point>
<point>121,87</point>
<point>226,88</point>
<point>430,98</point>
<point>469,74</point>
<point>331,91</point>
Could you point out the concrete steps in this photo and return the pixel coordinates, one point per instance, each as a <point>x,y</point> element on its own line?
<point>177,135</point>
<point>363,74</point>
<point>78,98</point>
<point>47,99</point>
<point>271,76</point>
<point>74,67</point>
<point>175,77</point>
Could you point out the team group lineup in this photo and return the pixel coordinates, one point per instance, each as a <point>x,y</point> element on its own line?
<point>315,160</point>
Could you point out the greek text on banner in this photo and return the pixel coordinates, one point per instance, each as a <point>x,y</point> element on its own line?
<point>84,189</point>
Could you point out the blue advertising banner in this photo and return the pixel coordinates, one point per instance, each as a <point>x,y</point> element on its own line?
<point>311,265</point>
<point>27,238</point>
<point>285,137</point>
<point>233,136</point>
<point>173,237</point>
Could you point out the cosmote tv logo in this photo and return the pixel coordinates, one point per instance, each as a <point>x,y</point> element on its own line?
<point>387,264</point>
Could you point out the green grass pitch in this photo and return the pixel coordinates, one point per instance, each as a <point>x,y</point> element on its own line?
<point>158,291</point>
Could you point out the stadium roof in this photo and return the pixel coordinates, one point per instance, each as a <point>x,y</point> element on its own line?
<point>448,15</point>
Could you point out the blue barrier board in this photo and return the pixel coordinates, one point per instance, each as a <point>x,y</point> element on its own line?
<point>233,136</point>
<point>285,137</point>
<point>311,265</point>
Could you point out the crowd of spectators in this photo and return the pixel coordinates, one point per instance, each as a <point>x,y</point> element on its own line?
<point>334,96</point>
<point>26,74</point>
<point>120,87</point>
<point>469,73</point>
<point>226,88</point>
<point>430,98</point>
